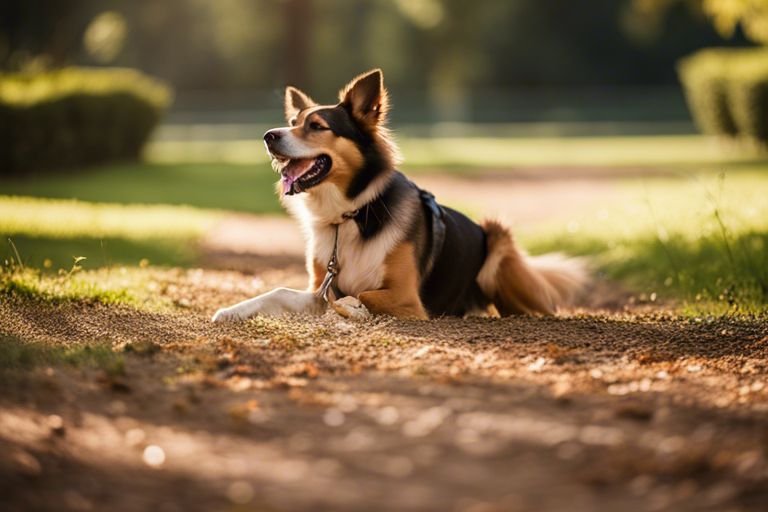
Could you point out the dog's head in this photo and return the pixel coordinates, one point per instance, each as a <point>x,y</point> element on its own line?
<point>343,145</point>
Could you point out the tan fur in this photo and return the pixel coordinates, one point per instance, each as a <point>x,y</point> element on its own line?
<point>399,295</point>
<point>316,275</point>
<point>295,101</point>
<point>346,161</point>
<point>368,97</point>
<point>519,284</point>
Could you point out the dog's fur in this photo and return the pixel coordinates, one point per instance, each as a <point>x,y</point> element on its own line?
<point>339,161</point>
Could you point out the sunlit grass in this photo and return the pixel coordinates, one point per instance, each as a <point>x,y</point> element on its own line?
<point>50,233</point>
<point>463,154</point>
<point>130,287</point>
<point>69,219</point>
<point>248,188</point>
<point>59,253</point>
<point>703,240</point>
<point>581,151</point>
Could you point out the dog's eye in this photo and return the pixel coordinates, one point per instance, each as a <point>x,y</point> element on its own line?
<point>316,126</point>
<point>292,121</point>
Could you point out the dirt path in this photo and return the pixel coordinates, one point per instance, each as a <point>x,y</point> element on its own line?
<point>612,412</point>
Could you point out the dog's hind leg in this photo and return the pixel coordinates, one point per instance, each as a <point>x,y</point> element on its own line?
<point>519,284</point>
<point>276,302</point>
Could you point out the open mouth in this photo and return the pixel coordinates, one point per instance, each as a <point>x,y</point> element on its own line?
<point>301,174</point>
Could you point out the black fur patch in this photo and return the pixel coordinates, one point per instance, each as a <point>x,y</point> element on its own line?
<point>375,215</point>
<point>451,288</point>
<point>342,124</point>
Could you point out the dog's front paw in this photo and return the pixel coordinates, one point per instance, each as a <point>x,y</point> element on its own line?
<point>350,307</point>
<point>228,315</point>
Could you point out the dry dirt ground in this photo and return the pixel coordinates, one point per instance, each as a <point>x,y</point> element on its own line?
<point>613,411</point>
<point>614,406</point>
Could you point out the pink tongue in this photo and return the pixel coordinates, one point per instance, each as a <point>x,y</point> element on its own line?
<point>294,170</point>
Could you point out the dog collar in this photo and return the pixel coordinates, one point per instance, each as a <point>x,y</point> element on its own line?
<point>333,269</point>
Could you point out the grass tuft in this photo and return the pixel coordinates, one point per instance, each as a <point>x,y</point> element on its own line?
<point>110,287</point>
<point>16,354</point>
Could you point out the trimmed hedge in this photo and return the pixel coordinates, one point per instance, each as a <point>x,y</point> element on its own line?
<point>748,97</point>
<point>704,78</point>
<point>76,116</point>
<point>727,91</point>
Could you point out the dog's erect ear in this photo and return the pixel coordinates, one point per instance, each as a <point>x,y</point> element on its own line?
<point>366,97</point>
<point>296,101</point>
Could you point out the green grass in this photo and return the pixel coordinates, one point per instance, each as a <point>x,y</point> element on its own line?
<point>59,253</point>
<point>16,354</point>
<point>105,286</point>
<point>50,233</point>
<point>701,240</point>
<point>248,188</point>
<point>645,151</point>
<point>469,153</point>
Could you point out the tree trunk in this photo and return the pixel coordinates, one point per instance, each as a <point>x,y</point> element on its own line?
<point>298,35</point>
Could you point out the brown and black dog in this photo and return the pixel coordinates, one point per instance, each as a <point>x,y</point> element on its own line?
<point>390,247</point>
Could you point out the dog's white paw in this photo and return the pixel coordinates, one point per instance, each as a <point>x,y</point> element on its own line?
<point>228,315</point>
<point>350,307</point>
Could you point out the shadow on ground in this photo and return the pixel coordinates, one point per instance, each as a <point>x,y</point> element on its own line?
<point>617,412</point>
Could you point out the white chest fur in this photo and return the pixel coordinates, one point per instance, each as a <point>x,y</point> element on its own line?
<point>361,262</point>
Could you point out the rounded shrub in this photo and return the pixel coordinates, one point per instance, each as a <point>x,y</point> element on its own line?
<point>704,76</point>
<point>76,116</point>
<point>748,95</point>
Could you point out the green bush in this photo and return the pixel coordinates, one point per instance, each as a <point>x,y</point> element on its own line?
<point>704,76</point>
<point>748,96</point>
<point>76,116</point>
<point>727,91</point>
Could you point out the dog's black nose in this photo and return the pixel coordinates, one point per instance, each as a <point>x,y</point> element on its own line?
<point>271,137</point>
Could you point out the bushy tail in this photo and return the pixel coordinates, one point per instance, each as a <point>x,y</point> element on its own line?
<point>520,284</point>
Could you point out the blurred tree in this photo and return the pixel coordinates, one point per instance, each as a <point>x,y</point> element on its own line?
<point>175,40</point>
<point>453,48</point>
<point>752,15</point>
<point>42,31</point>
<point>726,15</point>
<point>297,35</point>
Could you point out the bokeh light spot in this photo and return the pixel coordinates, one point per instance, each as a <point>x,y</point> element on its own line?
<point>154,456</point>
<point>105,36</point>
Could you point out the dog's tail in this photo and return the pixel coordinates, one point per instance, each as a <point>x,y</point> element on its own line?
<point>520,284</point>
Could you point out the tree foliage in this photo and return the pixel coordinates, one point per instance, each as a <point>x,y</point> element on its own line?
<point>448,46</point>
<point>725,15</point>
<point>751,15</point>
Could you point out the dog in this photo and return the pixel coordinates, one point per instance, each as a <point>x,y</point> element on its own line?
<point>377,243</point>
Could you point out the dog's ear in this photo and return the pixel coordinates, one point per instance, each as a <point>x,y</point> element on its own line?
<point>296,101</point>
<point>366,98</point>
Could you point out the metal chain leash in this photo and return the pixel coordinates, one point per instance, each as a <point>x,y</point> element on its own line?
<point>333,269</point>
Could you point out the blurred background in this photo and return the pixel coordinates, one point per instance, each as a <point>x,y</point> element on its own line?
<point>566,119</point>
<point>444,60</point>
